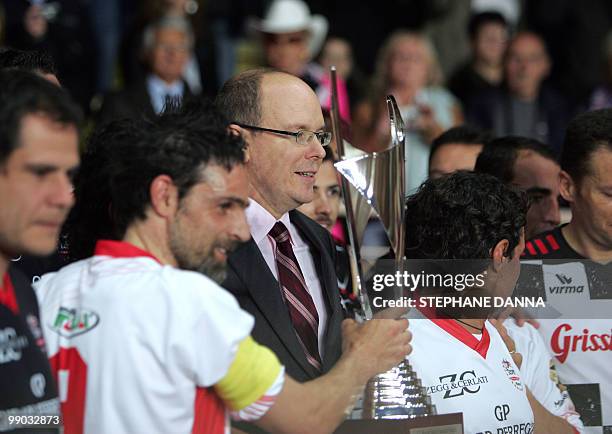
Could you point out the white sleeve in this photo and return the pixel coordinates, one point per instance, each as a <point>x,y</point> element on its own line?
<point>538,374</point>
<point>215,325</point>
<point>259,408</point>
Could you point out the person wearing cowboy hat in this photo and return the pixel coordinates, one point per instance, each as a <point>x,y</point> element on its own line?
<point>291,37</point>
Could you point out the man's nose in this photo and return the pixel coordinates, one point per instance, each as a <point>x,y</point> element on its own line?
<point>322,206</point>
<point>61,191</point>
<point>553,214</point>
<point>240,229</point>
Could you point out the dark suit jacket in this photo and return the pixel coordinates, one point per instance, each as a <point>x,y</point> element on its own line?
<point>133,102</point>
<point>258,292</point>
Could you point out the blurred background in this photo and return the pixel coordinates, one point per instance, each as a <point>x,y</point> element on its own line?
<point>100,49</point>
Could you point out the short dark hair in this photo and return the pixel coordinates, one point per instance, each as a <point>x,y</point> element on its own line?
<point>499,155</point>
<point>239,98</point>
<point>463,134</point>
<point>482,18</point>
<point>178,144</point>
<point>463,215</point>
<point>585,134</point>
<point>90,218</point>
<point>23,93</point>
<point>31,61</point>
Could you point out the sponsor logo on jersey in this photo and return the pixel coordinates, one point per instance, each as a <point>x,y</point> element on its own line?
<point>563,342</point>
<point>564,279</point>
<point>512,374</point>
<point>11,345</point>
<point>73,322</point>
<point>454,385</point>
<point>565,286</point>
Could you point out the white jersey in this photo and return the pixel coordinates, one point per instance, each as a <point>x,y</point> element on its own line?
<point>135,345</point>
<point>582,350</point>
<point>539,374</point>
<point>476,377</point>
<point>580,337</point>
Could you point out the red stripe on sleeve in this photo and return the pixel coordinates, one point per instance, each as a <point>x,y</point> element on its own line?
<point>531,249</point>
<point>541,246</point>
<point>552,242</point>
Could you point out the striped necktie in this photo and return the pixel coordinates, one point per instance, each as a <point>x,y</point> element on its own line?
<point>299,302</point>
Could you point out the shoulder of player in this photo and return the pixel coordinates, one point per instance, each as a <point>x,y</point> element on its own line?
<point>424,332</point>
<point>526,336</point>
<point>193,288</point>
<point>543,245</point>
<point>57,280</point>
<point>144,274</point>
<point>202,304</point>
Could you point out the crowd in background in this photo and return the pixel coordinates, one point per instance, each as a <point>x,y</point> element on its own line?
<point>509,67</point>
<point>562,60</point>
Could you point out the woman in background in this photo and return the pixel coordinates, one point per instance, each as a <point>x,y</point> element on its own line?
<point>407,68</point>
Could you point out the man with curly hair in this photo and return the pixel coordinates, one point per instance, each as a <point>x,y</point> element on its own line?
<point>471,224</point>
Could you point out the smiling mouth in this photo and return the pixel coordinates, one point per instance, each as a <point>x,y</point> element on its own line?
<point>307,174</point>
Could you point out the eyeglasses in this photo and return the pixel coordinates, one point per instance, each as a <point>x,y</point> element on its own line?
<point>302,137</point>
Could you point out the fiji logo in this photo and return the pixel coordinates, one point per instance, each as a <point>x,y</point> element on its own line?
<point>72,322</point>
<point>512,374</point>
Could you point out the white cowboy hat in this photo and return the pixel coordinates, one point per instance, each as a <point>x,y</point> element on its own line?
<point>288,16</point>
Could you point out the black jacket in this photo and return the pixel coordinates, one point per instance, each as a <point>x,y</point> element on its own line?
<point>257,290</point>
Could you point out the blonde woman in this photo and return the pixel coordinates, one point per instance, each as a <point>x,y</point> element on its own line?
<point>408,69</point>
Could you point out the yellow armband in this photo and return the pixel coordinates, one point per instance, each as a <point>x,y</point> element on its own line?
<point>251,374</point>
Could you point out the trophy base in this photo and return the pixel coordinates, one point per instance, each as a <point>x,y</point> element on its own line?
<point>395,394</point>
<point>440,424</point>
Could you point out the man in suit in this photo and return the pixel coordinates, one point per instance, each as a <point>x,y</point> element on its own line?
<point>167,45</point>
<point>284,276</point>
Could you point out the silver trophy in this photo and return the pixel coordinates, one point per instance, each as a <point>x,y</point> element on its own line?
<point>376,182</point>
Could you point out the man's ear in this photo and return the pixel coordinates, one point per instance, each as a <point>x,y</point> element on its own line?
<point>567,186</point>
<point>238,131</point>
<point>164,196</point>
<point>499,254</point>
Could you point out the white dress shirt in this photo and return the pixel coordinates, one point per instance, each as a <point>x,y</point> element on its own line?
<point>159,89</point>
<point>261,222</point>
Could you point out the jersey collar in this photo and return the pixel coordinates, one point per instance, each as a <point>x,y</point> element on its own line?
<point>451,327</point>
<point>120,249</point>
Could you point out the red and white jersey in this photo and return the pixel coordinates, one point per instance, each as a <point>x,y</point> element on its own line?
<point>136,345</point>
<point>582,351</point>
<point>540,375</point>
<point>473,375</point>
<point>579,294</point>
